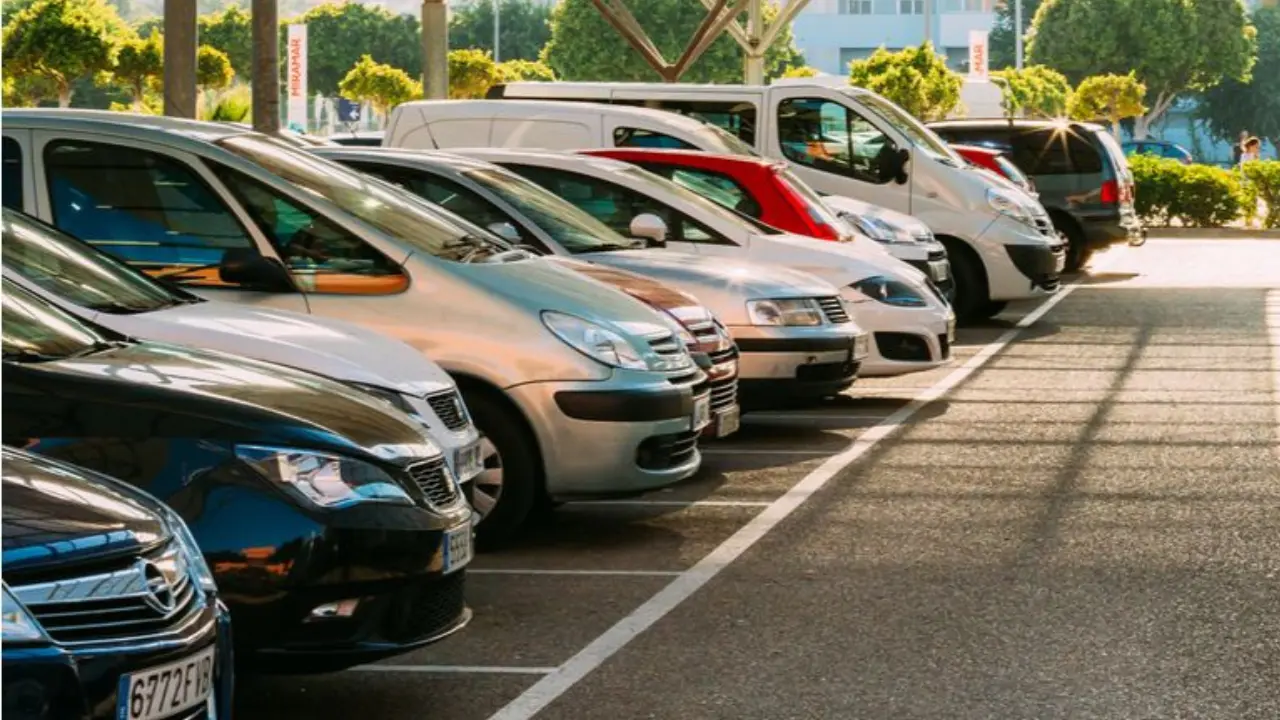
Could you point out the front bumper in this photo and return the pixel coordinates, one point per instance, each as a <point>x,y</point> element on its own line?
<point>1021,262</point>
<point>904,340</point>
<point>937,267</point>
<point>52,681</point>
<point>797,363</point>
<point>622,436</point>
<point>455,442</point>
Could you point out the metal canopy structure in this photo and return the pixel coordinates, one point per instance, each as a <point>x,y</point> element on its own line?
<point>755,39</point>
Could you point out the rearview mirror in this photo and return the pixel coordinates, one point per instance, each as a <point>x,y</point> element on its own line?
<point>246,268</point>
<point>650,228</point>
<point>506,231</point>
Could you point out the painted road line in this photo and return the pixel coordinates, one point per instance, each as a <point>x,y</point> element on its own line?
<point>759,451</point>
<point>677,503</point>
<point>456,669</point>
<point>552,686</point>
<point>604,573</point>
<point>1272,312</point>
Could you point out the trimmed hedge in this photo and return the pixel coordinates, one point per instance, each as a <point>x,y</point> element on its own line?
<point>1264,183</point>
<point>1194,195</point>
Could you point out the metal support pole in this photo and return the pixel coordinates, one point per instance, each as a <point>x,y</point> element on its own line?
<point>266,65</point>
<point>928,20</point>
<point>180,58</point>
<point>753,71</point>
<point>497,24</point>
<point>435,49</point>
<point>1017,33</point>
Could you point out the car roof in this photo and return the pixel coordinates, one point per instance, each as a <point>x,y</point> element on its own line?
<point>523,108</point>
<point>700,157</point>
<point>428,158</point>
<point>135,124</point>
<point>546,158</point>
<point>1020,123</point>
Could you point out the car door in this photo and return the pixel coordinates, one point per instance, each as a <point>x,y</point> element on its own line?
<point>154,207</point>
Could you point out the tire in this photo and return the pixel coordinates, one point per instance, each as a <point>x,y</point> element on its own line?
<point>522,490</point>
<point>971,290</point>
<point>1078,254</point>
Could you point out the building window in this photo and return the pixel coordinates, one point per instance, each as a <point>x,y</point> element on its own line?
<point>910,7</point>
<point>855,7</point>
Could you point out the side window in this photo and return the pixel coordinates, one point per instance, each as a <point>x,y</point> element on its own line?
<point>636,137</point>
<point>1056,152</point>
<point>145,208</point>
<point>322,256</point>
<point>828,136</point>
<point>738,118</point>
<point>11,182</point>
<point>719,188</point>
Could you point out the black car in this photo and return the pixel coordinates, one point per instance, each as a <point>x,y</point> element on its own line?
<point>109,609</point>
<point>1079,171</point>
<point>335,530</point>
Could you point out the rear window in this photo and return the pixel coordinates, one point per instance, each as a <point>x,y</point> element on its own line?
<point>1056,151</point>
<point>1118,160</point>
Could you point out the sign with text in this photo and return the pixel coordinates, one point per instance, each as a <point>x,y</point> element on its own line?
<point>978,54</point>
<point>296,79</point>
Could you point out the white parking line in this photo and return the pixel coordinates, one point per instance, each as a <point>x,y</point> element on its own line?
<point>808,416</point>
<point>760,451</point>
<point>681,503</point>
<point>1272,313</point>
<point>456,669</point>
<point>552,686</point>
<point>539,571</point>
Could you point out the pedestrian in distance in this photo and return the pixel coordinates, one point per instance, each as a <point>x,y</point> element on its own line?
<point>1237,150</point>
<point>1252,150</point>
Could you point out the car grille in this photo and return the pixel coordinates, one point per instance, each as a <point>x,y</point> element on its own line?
<point>704,332</point>
<point>833,309</point>
<point>669,346</point>
<point>724,393</point>
<point>662,452</point>
<point>435,481</point>
<point>429,610</point>
<point>448,407</point>
<point>151,599</point>
<point>1045,226</point>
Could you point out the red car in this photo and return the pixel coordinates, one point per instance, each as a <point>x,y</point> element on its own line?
<point>997,162</point>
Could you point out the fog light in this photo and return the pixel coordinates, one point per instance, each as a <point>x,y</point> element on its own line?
<point>340,609</point>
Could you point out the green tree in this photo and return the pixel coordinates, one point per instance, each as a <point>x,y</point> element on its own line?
<point>516,70</point>
<point>231,32</point>
<point>1002,44</point>
<point>381,85</point>
<point>1172,46</point>
<point>1232,106</point>
<point>800,71</point>
<point>62,41</point>
<point>213,68</point>
<point>916,78</point>
<point>149,26</point>
<point>1035,90</point>
<point>471,73</point>
<point>1108,97</point>
<point>524,25</point>
<point>584,46</point>
<point>140,66</point>
<point>339,34</point>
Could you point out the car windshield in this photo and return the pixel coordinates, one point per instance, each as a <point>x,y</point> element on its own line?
<point>575,230</point>
<point>902,121</point>
<point>659,185</point>
<point>390,209</point>
<point>35,331</point>
<point>725,142</point>
<point>76,272</point>
<point>1011,171</point>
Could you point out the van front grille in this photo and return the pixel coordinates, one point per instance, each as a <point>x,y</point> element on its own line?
<point>435,481</point>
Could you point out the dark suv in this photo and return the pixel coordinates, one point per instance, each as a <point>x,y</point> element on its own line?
<point>1078,169</point>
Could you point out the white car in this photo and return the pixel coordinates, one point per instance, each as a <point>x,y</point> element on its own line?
<point>912,325</point>
<point>897,234</point>
<point>91,285</point>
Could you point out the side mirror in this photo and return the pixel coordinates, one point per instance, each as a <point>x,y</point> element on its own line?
<point>650,228</point>
<point>246,268</point>
<point>506,231</point>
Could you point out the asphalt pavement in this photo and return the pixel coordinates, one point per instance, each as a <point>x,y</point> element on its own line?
<point>1077,519</point>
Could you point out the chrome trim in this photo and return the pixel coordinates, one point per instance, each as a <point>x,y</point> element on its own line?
<point>130,582</point>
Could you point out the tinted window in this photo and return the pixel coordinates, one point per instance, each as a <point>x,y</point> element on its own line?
<point>828,136</point>
<point>33,329</point>
<point>713,186</point>
<point>635,137</point>
<point>11,182</point>
<point>143,207</point>
<point>737,118</point>
<point>1055,151</point>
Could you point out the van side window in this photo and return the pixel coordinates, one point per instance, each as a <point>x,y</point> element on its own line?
<point>321,256</point>
<point>1055,152</point>
<point>11,182</point>
<point>616,206</point>
<point>714,186</point>
<point>825,135</point>
<point>636,137</point>
<point>147,209</point>
<point>736,117</point>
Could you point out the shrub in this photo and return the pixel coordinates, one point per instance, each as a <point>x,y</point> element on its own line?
<point>1264,181</point>
<point>232,105</point>
<point>1195,195</point>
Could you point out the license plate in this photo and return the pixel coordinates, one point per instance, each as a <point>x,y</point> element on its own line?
<point>457,548</point>
<point>727,421</point>
<point>167,690</point>
<point>701,412</point>
<point>467,462</point>
<point>941,270</point>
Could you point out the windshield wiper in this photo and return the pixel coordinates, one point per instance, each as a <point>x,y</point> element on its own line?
<point>609,247</point>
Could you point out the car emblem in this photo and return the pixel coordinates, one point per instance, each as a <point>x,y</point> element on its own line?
<point>159,594</point>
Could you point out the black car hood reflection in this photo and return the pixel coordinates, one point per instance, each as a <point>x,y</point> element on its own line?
<point>248,400</point>
<point>56,514</point>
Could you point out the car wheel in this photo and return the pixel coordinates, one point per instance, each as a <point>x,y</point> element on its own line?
<point>970,280</point>
<point>508,491</point>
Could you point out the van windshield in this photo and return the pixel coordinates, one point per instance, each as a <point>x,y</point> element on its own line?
<point>902,121</point>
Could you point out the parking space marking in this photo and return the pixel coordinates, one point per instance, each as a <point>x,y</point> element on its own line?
<point>680,503</point>
<point>759,451</point>
<point>1272,313</point>
<point>456,669</point>
<point>540,571</point>
<point>555,684</point>
<point>808,416</point>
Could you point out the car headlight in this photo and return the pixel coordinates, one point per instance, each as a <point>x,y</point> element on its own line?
<point>1005,203</point>
<point>19,626</point>
<point>880,230</point>
<point>596,342</point>
<point>195,559</point>
<point>794,312</point>
<point>328,481</point>
<point>889,291</point>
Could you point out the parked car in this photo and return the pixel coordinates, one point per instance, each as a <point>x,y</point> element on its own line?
<point>911,325</point>
<point>770,192</point>
<point>490,195</point>
<point>363,138</point>
<point>1080,173</point>
<point>94,286</point>
<point>335,531</point>
<point>841,140</point>
<point>110,612</point>
<point>998,162</point>
<point>548,361</point>
<point>1158,148</point>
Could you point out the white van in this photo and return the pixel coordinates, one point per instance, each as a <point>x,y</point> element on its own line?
<point>839,139</point>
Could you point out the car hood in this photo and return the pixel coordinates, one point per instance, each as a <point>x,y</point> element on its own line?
<point>854,206</point>
<point>645,289</point>
<point>56,514</point>
<point>328,347</point>
<point>838,263</point>
<point>236,399</point>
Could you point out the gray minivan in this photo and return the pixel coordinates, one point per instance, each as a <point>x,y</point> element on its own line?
<point>548,361</point>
